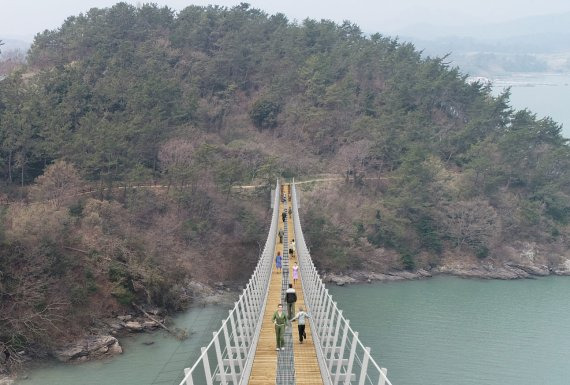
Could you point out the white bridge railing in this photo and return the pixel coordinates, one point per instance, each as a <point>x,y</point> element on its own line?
<point>343,359</point>
<point>229,355</point>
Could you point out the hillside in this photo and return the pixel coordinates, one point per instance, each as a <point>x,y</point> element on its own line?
<point>439,174</point>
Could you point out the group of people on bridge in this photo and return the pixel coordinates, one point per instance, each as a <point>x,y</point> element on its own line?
<point>280,319</point>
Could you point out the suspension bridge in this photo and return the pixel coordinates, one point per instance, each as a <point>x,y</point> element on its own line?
<point>243,350</point>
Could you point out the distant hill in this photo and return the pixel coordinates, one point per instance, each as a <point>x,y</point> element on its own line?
<point>551,25</point>
<point>531,44</point>
<point>13,45</point>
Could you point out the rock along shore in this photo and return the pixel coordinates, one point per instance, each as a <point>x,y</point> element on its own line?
<point>488,270</point>
<point>103,342</point>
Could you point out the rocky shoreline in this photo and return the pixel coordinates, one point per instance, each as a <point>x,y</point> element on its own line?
<point>105,344</point>
<point>104,340</point>
<point>488,270</point>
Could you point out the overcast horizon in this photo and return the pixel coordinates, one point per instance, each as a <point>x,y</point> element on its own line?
<point>24,18</point>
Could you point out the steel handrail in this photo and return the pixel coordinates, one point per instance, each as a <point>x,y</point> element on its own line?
<point>328,323</point>
<point>241,329</point>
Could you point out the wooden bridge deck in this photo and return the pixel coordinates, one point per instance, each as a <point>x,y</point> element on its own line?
<point>264,368</point>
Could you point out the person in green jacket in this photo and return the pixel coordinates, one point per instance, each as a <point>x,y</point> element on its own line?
<point>279,319</point>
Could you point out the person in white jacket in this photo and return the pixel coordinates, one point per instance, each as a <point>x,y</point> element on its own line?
<point>292,249</point>
<point>301,316</point>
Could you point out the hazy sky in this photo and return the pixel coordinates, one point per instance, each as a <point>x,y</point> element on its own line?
<point>24,18</point>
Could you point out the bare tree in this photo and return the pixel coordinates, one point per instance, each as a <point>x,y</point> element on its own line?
<point>472,223</point>
<point>175,158</point>
<point>29,316</point>
<point>351,157</point>
<point>11,60</point>
<point>59,181</point>
<point>32,224</point>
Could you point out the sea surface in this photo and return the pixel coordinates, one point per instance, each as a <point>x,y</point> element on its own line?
<point>543,94</point>
<point>453,331</point>
<point>443,330</point>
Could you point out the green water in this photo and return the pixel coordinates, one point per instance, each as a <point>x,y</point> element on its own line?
<point>451,331</point>
<point>162,362</point>
<point>444,331</point>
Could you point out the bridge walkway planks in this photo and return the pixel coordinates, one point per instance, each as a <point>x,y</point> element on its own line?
<point>264,368</point>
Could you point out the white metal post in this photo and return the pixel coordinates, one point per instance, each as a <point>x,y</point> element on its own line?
<point>236,342</point>
<point>207,371</point>
<point>316,289</point>
<point>364,368</point>
<point>257,292</point>
<point>248,319</point>
<point>325,318</point>
<point>351,358</point>
<point>241,323</point>
<point>341,352</point>
<point>253,295</point>
<point>230,355</point>
<point>221,367</point>
<point>188,376</point>
<point>382,379</point>
<point>329,318</point>
<point>334,340</point>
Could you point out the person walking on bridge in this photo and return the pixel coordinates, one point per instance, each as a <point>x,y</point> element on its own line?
<point>292,249</point>
<point>278,260</point>
<point>295,274</point>
<point>301,316</point>
<point>280,320</point>
<point>290,298</point>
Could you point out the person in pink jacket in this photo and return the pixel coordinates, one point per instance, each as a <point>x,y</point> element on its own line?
<point>295,273</point>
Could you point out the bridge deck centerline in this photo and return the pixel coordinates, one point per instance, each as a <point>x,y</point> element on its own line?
<point>264,368</point>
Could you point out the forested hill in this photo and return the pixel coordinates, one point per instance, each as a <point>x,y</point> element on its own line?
<point>437,170</point>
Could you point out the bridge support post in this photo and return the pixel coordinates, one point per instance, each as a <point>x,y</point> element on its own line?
<point>364,367</point>
<point>188,377</point>
<point>248,319</point>
<point>330,350</point>
<point>382,379</point>
<point>316,292</point>
<point>220,359</point>
<point>207,371</point>
<point>241,328</point>
<point>230,353</point>
<point>256,289</point>
<point>252,293</point>
<point>238,346</point>
<point>341,352</point>
<point>325,321</point>
<point>319,307</point>
<point>351,358</point>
